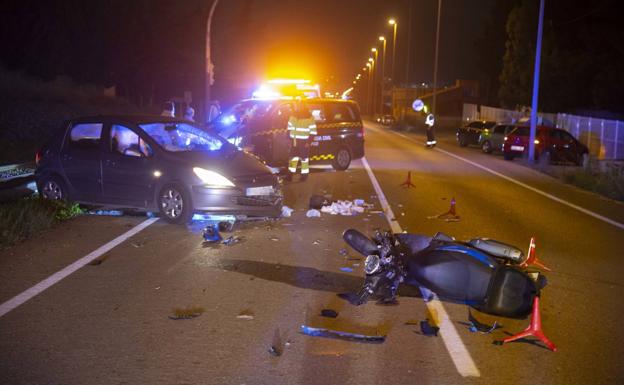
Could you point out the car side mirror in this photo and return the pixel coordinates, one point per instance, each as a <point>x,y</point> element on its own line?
<point>134,152</point>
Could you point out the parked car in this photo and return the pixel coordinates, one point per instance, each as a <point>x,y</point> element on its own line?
<point>551,144</point>
<point>386,120</point>
<point>469,134</point>
<point>154,163</point>
<point>491,139</point>
<point>261,127</point>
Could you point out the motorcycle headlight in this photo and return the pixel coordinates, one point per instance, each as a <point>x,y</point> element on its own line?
<point>212,178</point>
<point>372,264</point>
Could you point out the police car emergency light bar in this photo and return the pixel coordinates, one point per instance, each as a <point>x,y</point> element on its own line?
<point>287,89</point>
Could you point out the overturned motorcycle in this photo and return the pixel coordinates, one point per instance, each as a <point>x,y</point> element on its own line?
<point>488,275</point>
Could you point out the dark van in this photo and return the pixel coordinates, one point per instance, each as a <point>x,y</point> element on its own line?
<point>261,127</point>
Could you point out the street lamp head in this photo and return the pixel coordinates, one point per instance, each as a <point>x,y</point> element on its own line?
<point>370,59</point>
<point>381,38</point>
<point>373,49</point>
<point>368,65</point>
<point>392,22</point>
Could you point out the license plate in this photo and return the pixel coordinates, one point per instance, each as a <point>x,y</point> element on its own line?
<point>264,190</point>
<point>517,148</point>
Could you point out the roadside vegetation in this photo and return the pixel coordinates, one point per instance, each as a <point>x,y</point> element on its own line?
<point>608,181</point>
<point>26,217</point>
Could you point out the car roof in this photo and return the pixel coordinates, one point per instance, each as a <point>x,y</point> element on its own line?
<point>308,100</point>
<point>129,118</point>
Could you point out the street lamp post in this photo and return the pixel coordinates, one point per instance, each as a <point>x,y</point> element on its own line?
<point>383,71</point>
<point>372,62</point>
<point>536,75</point>
<point>376,53</point>
<point>209,65</point>
<point>394,24</point>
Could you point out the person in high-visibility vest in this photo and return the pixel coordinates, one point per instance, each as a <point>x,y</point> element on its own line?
<point>300,126</point>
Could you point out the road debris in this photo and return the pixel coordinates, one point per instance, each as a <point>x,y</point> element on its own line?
<point>211,234</point>
<point>335,334</point>
<point>329,313</point>
<point>245,315</point>
<point>112,213</point>
<point>137,244</point>
<point>226,227</point>
<point>428,329</point>
<point>316,242</point>
<point>275,352</point>
<point>286,211</point>
<point>347,208</point>
<point>346,269</point>
<point>274,239</point>
<point>232,240</point>
<point>343,252</point>
<point>187,313</point>
<point>313,213</point>
<point>476,326</point>
<point>318,201</point>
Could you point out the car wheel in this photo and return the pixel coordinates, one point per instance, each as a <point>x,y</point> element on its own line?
<point>463,142</point>
<point>487,147</point>
<point>508,156</point>
<point>53,188</point>
<point>342,160</point>
<point>582,159</point>
<point>174,204</point>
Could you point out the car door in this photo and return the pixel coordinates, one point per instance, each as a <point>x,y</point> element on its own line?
<point>128,167</point>
<point>280,137</point>
<point>570,150</point>
<point>81,161</point>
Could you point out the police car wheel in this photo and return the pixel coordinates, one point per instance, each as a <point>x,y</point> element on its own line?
<point>342,159</point>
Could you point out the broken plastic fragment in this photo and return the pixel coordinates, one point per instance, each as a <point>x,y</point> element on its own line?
<point>286,211</point>
<point>346,269</point>
<point>274,351</point>
<point>186,313</point>
<point>328,333</point>
<point>211,234</point>
<point>359,202</point>
<point>231,240</point>
<point>476,326</point>
<point>329,313</point>
<point>313,213</point>
<point>226,226</point>
<point>428,330</point>
<point>343,252</point>
<point>113,213</point>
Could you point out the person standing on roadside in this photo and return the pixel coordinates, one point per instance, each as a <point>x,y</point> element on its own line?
<point>301,125</point>
<point>168,109</point>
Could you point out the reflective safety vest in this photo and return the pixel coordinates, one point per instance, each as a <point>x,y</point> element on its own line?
<point>301,128</point>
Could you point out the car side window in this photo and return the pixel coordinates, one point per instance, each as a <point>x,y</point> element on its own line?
<point>499,129</point>
<point>341,112</point>
<point>86,135</point>
<point>281,116</point>
<point>317,113</point>
<point>474,125</point>
<point>554,134</point>
<point>126,142</point>
<point>567,137</point>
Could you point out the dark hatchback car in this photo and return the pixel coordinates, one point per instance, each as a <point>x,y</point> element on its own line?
<point>261,127</point>
<point>154,163</point>
<point>551,145</point>
<point>470,133</point>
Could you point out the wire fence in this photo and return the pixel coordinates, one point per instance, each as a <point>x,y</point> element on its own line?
<point>604,138</point>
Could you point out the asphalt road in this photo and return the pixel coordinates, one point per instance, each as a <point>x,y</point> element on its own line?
<point>108,322</point>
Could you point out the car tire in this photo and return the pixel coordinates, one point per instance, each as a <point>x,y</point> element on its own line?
<point>463,142</point>
<point>174,204</point>
<point>342,160</point>
<point>52,187</point>
<point>487,147</point>
<point>508,156</point>
<point>582,159</point>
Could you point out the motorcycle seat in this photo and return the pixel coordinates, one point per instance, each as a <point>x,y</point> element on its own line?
<point>415,242</point>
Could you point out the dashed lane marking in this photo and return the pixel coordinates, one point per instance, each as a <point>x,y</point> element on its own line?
<point>61,274</point>
<point>453,343</point>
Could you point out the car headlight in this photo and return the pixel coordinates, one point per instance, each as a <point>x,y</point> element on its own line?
<point>372,264</point>
<point>212,178</point>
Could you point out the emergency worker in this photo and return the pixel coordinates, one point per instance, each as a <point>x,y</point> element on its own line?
<point>168,109</point>
<point>300,126</point>
<point>430,122</point>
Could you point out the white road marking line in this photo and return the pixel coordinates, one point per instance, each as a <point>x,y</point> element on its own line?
<point>543,193</point>
<point>61,274</point>
<point>453,343</point>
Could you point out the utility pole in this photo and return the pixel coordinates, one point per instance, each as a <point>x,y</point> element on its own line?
<point>435,61</point>
<point>209,65</point>
<point>536,75</point>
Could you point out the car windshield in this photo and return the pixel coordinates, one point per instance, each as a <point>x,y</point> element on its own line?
<point>179,137</point>
<point>521,131</point>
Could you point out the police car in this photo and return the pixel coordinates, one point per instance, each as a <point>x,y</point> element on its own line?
<point>260,126</point>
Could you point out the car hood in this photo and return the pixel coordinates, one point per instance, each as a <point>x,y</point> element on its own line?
<point>231,164</point>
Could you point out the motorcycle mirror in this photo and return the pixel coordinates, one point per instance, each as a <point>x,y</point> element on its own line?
<point>359,242</point>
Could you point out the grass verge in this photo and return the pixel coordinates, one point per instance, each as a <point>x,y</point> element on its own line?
<point>608,181</point>
<point>25,217</point>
